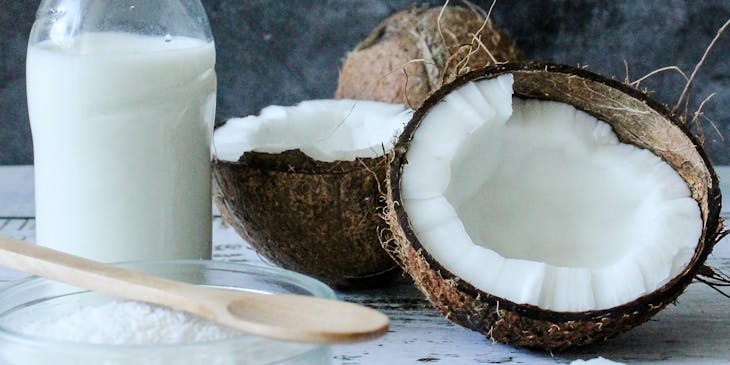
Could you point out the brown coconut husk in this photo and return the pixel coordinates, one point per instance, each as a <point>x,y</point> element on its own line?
<point>317,218</point>
<point>636,119</point>
<point>415,51</point>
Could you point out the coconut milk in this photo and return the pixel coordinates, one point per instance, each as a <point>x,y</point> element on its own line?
<point>121,135</point>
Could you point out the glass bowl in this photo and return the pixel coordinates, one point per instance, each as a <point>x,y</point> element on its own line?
<point>36,297</point>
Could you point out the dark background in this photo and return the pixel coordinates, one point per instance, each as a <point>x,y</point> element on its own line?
<point>282,52</point>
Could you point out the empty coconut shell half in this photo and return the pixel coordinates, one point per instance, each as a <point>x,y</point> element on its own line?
<point>410,54</point>
<point>302,185</point>
<point>547,206</point>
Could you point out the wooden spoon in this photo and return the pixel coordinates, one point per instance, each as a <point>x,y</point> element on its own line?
<point>284,317</point>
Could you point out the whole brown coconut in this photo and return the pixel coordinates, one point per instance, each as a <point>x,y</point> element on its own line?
<point>637,120</point>
<point>415,51</point>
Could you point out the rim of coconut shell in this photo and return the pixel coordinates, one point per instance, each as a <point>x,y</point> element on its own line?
<point>297,162</point>
<point>712,230</point>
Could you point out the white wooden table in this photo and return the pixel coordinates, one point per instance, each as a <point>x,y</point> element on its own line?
<point>695,331</point>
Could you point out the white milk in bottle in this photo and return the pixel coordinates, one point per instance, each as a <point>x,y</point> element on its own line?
<point>121,135</point>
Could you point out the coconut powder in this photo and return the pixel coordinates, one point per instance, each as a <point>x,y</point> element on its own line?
<point>127,323</point>
<point>596,361</point>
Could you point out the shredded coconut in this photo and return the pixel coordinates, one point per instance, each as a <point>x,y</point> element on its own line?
<point>127,323</point>
<point>596,361</point>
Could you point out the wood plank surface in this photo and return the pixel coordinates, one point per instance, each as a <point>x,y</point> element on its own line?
<point>683,334</point>
<point>694,331</point>
<point>16,191</point>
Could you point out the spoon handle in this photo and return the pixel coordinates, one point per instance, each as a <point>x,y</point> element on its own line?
<point>92,275</point>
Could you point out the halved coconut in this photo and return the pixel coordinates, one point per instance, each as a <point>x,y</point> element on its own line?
<point>549,207</point>
<point>302,185</point>
<point>410,54</point>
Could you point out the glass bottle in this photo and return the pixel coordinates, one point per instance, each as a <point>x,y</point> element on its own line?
<point>121,97</point>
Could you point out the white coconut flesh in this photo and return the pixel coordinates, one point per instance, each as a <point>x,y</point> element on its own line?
<point>539,203</point>
<point>325,130</point>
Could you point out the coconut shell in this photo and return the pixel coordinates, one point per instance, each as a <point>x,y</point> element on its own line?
<point>317,218</point>
<point>405,58</point>
<point>637,120</point>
